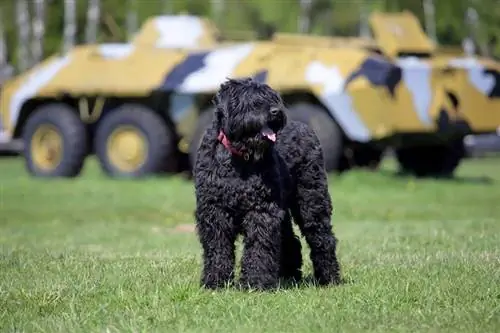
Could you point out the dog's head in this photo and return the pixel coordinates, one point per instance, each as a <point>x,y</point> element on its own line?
<point>249,115</point>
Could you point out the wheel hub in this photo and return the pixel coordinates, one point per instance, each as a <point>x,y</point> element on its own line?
<point>127,148</point>
<point>46,147</point>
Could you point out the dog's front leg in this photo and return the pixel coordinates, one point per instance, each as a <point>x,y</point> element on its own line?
<point>312,211</point>
<point>260,263</point>
<point>291,253</point>
<point>217,236</point>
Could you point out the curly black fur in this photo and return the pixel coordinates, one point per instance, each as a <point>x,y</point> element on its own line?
<point>256,193</point>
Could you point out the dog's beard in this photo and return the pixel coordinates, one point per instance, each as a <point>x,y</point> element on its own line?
<point>256,146</point>
<point>260,148</point>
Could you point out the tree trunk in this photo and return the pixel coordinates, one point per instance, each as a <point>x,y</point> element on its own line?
<point>217,8</point>
<point>167,6</point>
<point>430,19</point>
<point>364,27</point>
<point>23,28</point>
<point>472,18</point>
<point>131,18</point>
<point>304,24</point>
<point>38,31</point>
<point>3,44</point>
<point>93,15</point>
<point>6,70</point>
<point>69,25</point>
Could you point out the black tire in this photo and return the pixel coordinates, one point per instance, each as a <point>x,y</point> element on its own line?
<point>157,136</point>
<point>65,121</point>
<point>204,121</point>
<point>328,132</point>
<point>362,156</point>
<point>431,161</point>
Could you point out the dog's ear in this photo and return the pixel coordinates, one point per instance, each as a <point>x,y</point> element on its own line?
<point>219,113</point>
<point>283,117</point>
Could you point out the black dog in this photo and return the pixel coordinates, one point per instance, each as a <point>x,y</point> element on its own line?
<point>254,170</point>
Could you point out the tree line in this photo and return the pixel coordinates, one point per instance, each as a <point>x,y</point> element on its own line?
<point>33,29</point>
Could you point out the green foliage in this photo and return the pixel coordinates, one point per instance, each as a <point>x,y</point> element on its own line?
<point>329,17</point>
<point>101,255</point>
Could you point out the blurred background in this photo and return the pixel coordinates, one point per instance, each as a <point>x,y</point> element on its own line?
<point>95,254</point>
<point>31,30</point>
<point>79,21</point>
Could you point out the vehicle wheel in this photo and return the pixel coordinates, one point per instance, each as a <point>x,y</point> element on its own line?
<point>134,141</point>
<point>55,142</point>
<point>363,156</point>
<point>431,161</point>
<point>204,121</point>
<point>326,129</point>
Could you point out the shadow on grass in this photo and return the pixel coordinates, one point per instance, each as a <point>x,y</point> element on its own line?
<point>307,282</point>
<point>484,180</point>
<point>9,154</point>
<point>310,282</point>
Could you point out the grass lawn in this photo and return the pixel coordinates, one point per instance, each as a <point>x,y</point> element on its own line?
<point>96,255</point>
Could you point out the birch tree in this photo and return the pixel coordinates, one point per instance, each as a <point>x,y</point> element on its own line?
<point>472,22</point>
<point>38,31</point>
<point>131,20</point>
<point>6,70</point>
<point>3,44</point>
<point>23,42</point>
<point>217,9</point>
<point>364,28</point>
<point>93,18</point>
<point>69,25</point>
<point>167,6</point>
<point>430,19</point>
<point>304,24</point>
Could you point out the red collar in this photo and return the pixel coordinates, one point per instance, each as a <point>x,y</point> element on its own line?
<point>225,141</point>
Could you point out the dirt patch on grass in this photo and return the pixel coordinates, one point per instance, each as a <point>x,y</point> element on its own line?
<point>185,228</point>
<point>181,228</point>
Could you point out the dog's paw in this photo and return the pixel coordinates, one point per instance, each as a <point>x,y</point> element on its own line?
<point>258,285</point>
<point>216,285</point>
<point>328,278</point>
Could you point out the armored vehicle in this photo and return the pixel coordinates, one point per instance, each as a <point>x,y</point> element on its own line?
<point>141,107</point>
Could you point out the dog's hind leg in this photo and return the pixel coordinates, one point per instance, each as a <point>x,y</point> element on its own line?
<point>217,235</point>
<point>260,262</point>
<point>291,253</point>
<point>312,210</point>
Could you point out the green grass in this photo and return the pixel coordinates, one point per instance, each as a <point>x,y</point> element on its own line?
<point>96,255</point>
